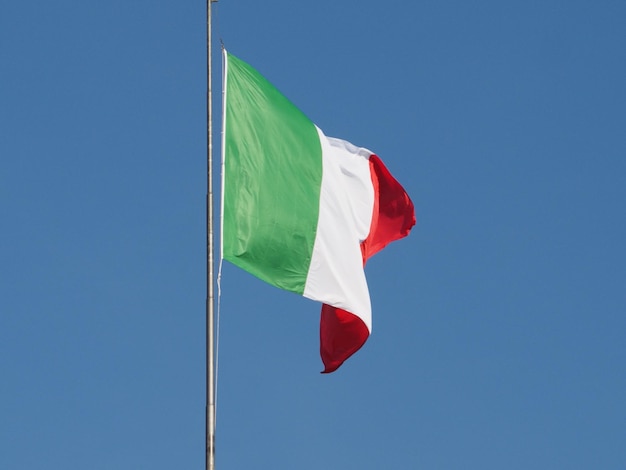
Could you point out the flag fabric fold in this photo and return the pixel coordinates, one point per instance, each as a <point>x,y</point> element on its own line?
<point>303,211</point>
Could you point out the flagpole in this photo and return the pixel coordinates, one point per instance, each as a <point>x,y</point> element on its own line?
<point>210,333</point>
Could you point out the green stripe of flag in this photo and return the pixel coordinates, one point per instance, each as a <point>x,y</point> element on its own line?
<point>273,174</point>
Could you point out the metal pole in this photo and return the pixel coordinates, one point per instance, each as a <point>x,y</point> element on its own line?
<point>210,347</point>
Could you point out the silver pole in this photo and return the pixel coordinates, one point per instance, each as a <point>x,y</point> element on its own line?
<point>210,347</point>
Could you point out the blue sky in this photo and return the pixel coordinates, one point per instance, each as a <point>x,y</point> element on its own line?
<point>499,327</point>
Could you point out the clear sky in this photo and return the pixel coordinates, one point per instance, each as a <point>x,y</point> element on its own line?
<point>499,336</point>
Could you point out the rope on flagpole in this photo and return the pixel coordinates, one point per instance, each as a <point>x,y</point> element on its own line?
<point>221,258</point>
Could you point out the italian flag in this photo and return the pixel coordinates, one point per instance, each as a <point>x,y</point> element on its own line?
<point>303,211</point>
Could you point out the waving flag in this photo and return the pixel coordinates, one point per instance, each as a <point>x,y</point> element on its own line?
<point>303,211</point>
